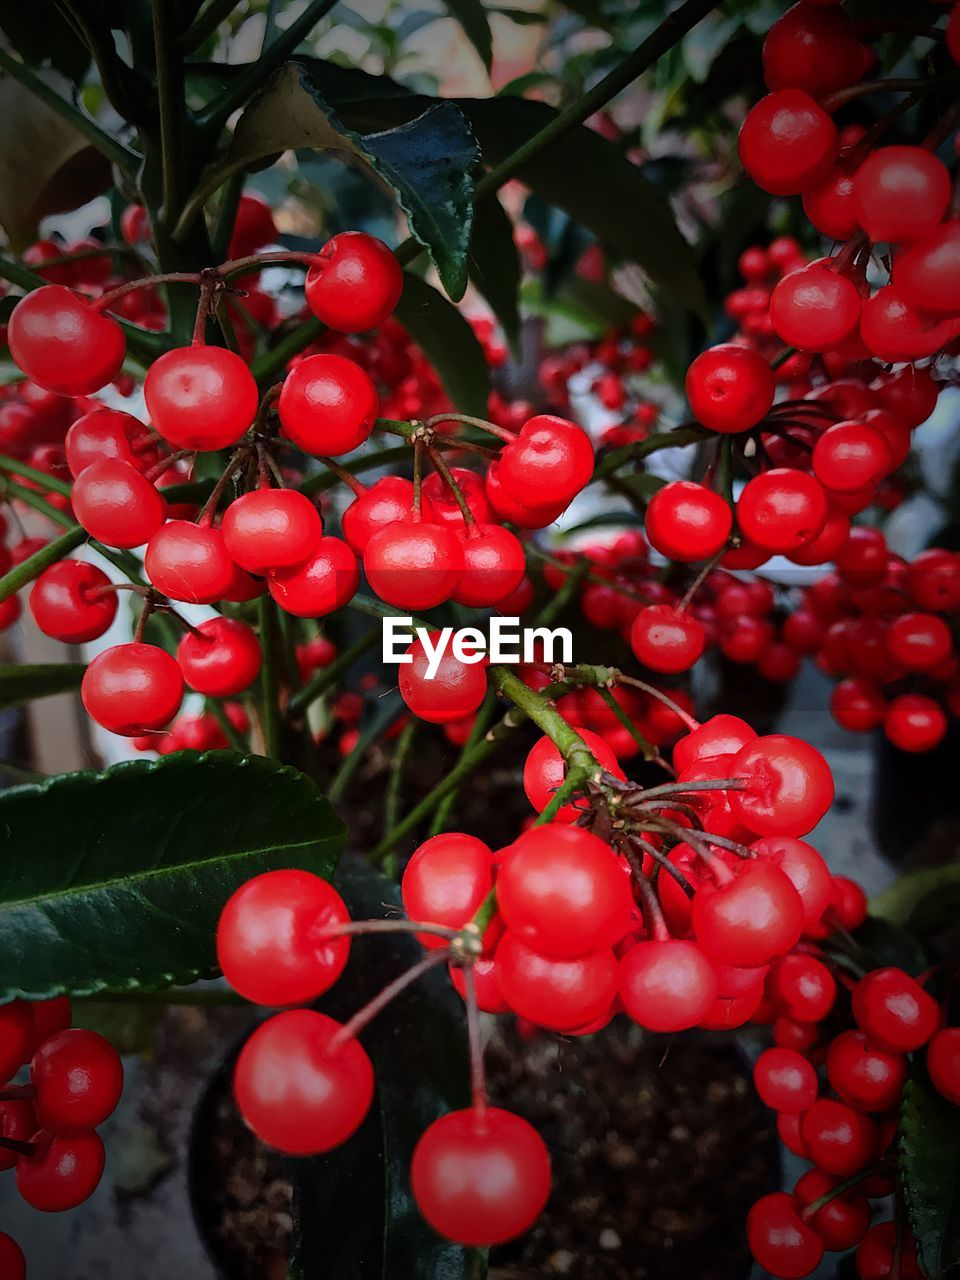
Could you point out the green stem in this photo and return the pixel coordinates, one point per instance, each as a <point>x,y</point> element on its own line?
<point>229,732</point>
<point>203,27</point>
<point>387,713</point>
<point>547,718</point>
<point>39,503</point>
<point>649,750</point>
<point>171,102</point>
<point>269,687</point>
<point>31,568</point>
<point>479,728</point>
<point>674,439</point>
<point>14,467</point>
<point>391,804</point>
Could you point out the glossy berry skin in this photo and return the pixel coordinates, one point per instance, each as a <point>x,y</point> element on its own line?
<point>354,282</point>
<point>849,455</point>
<point>782,1244</point>
<point>927,274</point>
<point>804,868</point>
<point>721,735</point>
<point>878,1249</point>
<point>480,1176</point>
<point>19,1123</point>
<point>494,563</point>
<point>388,500</point>
<point>544,771</point>
<point>667,986</point>
<point>50,1016</point>
<point>328,405</point>
<point>785,1080</point>
<point>296,1092</point>
<point>445,881</point>
<point>943,1063</point>
<point>550,461</point>
<point>441,507</point>
<point>562,892</point>
<point>456,689</point>
<point>755,916</point>
<point>78,1077</point>
<point>322,584</point>
<point>787,142</point>
<point>558,994</point>
<point>116,504</point>
<point>62,1173</point>
<point>789,786</point>
<point>414,565</point>
<point>688,522</point>
<point>105,433</point>
<point>270,529</point>
<point>223,660</point>
<point>730,388</point>
<point>16,1037</point>
<point>802,987</point>
<point>814,308</point>
<point>843,1221</point>
<point>132,689</point>
<point>523,515</point>
<point>914,722</point>
<point>13,1265</point>
<point>63,344</point>
<point>901,193</point>
<point>200,397</point>
<point>189,562</point>
<point>64,607</point>
<point>270,942</point>
<point>666,639</point>
<point>919,641</point>
<point>864,1076</point>
<point>782,509</point>
<point>814,49</point>
<point>840,1140</point>
<point>893,1010</point>
<point>830,204</point>
<point>486,983</point>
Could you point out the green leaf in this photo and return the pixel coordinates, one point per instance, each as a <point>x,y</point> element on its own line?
<point>476,27</point>
<point>494,265</point>
<point>930,1172</point>
<point>921,899</point>
<point>355,1214</point>
<point>887,944</point>
<point>427,162</point>
<point>136,863</point>
<point>40,34</point>
<point>20,684</point>
<point>448,342</point>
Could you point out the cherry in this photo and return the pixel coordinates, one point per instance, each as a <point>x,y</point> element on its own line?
<point>713,806</point>
<point>919,641</point>
<point>788,1131</point>
<point>804,868</point>
<point>893,1010</point>
<point>108,433</point>
<point>190,562</point>
<point>200,397</point>
<point>927,274</point>
<point>849,903</point>
<point>16,1038</point>
<point>558,994</point>
<point>943,1063</point>
<point>480,1176</point>
<point>135,224</point>
<point>454,691</point>
<point>132,688</point>
<point>687,522</point>
<point>802,986</point>
<point>270,939</point>
<point>445,882</point>
<point>894,331</point>
<point>65,604</point>
<point>789,786</point>
<point>253,226</point>
<point>666,639</point>
<point>910,393</point>
<point>78,1077</point>
<point>862,560</point>
<point>849,455</point>
<point>13,1265</point>
<point>815,308</point>
<point>271,529</point>
<point>315,654</point>
<point>667,985</point>
<point>719,736</point>
<point>63,343</point>
<point>544,771</point>
<point>914,722</point>
<point>814,49</point>
<point>730,388</point>
<point>494,563</point>
<point>787,142</point>
<point>785,1080</point>
<point>782,509</point>
<point>933,579</point>
<point>901,193</point>
<point>830,204</point>
<point>864,1076</point>
<point>842,1221</point>
<point>508,508</point>
<point>328,405</point>
<point>62,1173</point>
<point>780,1241</point>
<point>440,505</point>
<point>354,283</point>
<point>486,984</point>
<point>755,915</point>
<point>116,504</point>
<point>840,1140</point>
<point>825,545</point>
<point>562,892</point>
<point>322,584</point>
<point>549,462</point>
<point>223,660</point>
<point>388,500</point>
<point>18,1122</point>
<point>412,564</point>
<point>50,1016</point>
<point>879,1250</point>
<point>298,1091</point>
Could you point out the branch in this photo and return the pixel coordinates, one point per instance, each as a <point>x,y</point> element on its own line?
<point>203,27</point>
<point>34,565</point>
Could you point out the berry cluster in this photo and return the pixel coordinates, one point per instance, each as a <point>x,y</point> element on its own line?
<point>48,1126</point>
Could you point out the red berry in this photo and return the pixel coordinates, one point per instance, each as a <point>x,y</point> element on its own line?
<point>730,388</point>
<point>751,918</point>
<point>849,455</point>
<point>298,1088</point>
<point>480,1176</point>
<point>789,786</point>
<point>78,1077</point>
<point>814,49</point>
<point>13,1265</point>
<point>894,1011</point>
<point>830,204</point>
<point>688,522</point>
<point>804,868</point>
<point>901,193</point>
<point>879,1249</point>
<point>388,500</point>
<point>271,529</point>
<point>445,882</point>
<point>223,660</point>
<point>943,1063</point>
<point>412,564</point>
<point>322,584</point>
<point>785,1080</point>
<point>16,1038</point>
<point>782,509</point>
<point>486,983</point>
<point>666,639</point>
<point>108,433</point>
<point>825,545</point>
<point>787,142</point>
<point>721,735</point>
<point>65,604</point>
<point>919,641</point>
<point>857,705</point>
<point>62,1173</point>
<point>253,226</point>
<point>132,688</point>
<point>50,1016</point>
<point>63,343</point>
<point>328,405</point>
<point>927,274</point>
<point>558,994</point>
<point>523,515</point>
<point>840,1140</point>
<point>116,504</point>
<point>815,308</point>
<point>667,986</point>
<point>200,397</point>
<point>842,1222</point>
<point>914,722</point>
<point>455,690</point>
<point>933,579</point>
<point>354,283</point>
<point>441,507</point>
<point>271,941</point>
<point>544,771</point>
<point>494,563</point>
<point>780,1241</point>
<point>864,1076</point>
<point>802,986</point>
<point>187,561</point>
<point>550,461</point>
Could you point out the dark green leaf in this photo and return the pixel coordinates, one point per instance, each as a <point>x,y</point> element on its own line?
<point>428,162</point>
<point>495,265</point>
<point>449,343</point>
<point>20,684</point>
<point>472,17</point>
<point>886,944</point>
<point>921,899</point>
<point>115,881</point>
<point>930,1172</point>
<point>40,34</point>
<point>356,1217</point>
